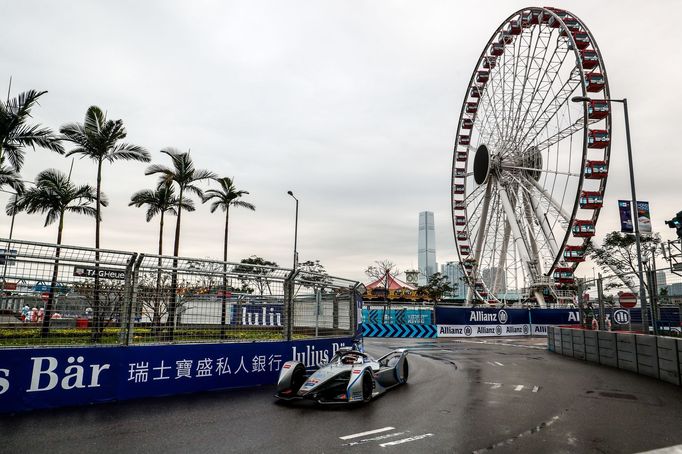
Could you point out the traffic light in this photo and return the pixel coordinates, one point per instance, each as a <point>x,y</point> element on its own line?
<point>676,223</point>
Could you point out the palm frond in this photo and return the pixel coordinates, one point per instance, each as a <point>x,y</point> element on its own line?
<point>128,152</point>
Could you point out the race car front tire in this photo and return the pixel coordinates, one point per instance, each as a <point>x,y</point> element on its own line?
<point>367,386</point>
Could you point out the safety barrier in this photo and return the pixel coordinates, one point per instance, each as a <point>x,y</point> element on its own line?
<point>53,377</point>
<point>397,330</point>
<point>654,356</point>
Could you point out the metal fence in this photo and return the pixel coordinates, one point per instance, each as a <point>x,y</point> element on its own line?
<point>65,295</point>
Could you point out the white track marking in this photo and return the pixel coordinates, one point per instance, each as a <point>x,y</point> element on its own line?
<point>369,432</point>
<point>377,438</point>
<point>499,364</point>
<point>518,387</point>
<point>536,389</point>
<point>405,440</point>
<point>495,385</point>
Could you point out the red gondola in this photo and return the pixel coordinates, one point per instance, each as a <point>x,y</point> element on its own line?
<point>482,77</point>
<point>594,82</point>
<point>583,229</point>
<point>489,62</point>
<point>467,123</point>
<point>582,40</point>
<point>460,205</point>
<point>461,155</point>
<point>598,138</point>
<point>462,235</point>
<point>533,17</point>
<point>460,220</point>
<point>476,91</point>
<point>468,264</point>
<point>514,27</point>
<point>464,140</point>
<point>563,275</point>
<point>505,37</point>
<point>464,249</point>
<point>597,109</point>
<point>596,170</point>
<point>574,254</point>
<point>471,107</point>
<point>572,25</point>
<point>460,172</point>
<point>459,189</point>
<point>497,49</point>
<point>590,200</point>
<point>589,58</point>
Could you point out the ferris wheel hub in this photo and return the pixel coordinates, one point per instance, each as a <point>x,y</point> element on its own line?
<point>481,164</point>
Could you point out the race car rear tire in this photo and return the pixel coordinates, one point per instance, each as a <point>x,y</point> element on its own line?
<point>367,386</point>
<point>406,370</point>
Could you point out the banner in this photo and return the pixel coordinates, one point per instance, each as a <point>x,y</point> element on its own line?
<point>65,376</point>
<point>470,322</point>
<point>625,211</point>
<point>643,217</point>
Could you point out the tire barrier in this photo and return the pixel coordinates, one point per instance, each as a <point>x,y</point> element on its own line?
<point>397,330</point>
<point>654,356</point>
<point>66,376</point>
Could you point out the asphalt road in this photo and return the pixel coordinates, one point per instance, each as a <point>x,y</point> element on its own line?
<point>501,395</point>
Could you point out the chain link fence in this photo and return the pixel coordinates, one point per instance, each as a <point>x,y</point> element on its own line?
<point>66,295</point>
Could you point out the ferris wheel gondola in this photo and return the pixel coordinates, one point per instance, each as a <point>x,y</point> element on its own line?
<point>529,166</point>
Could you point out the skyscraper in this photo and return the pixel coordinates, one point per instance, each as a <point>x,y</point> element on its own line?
<point>426,252</point>
<point>453,271</point>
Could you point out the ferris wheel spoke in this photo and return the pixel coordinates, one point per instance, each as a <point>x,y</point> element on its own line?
<point>537,56</point>
<point>535,103</point>
<point>532,169</point>
<point>561,99</point>
<point>556,205</point>
<point>517,234</point>
<point>577,126</point>
<point>541,218</point>
<point>503,256</point>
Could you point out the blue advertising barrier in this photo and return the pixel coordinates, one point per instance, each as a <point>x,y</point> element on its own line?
<point>485,322</point>
<point>57,377</point>
<point>397,330</point>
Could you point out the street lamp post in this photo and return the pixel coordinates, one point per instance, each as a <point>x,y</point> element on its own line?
<point>642,293</point>
<point>295,231</point>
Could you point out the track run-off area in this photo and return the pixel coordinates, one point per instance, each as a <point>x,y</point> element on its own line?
<point>496,395</point>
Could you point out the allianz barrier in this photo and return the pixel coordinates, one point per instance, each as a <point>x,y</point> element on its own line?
<point>397,330</point>
<point>486,322</point>
<point>67,376</point>
<point>654,356</point>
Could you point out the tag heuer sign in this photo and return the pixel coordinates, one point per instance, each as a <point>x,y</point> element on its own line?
<point>103,273</point>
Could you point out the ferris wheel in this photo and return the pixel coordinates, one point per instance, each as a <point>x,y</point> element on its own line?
<point>530,166</point>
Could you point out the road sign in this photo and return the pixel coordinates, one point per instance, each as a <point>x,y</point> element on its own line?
<point>621,316</point>
<point>627,299</point>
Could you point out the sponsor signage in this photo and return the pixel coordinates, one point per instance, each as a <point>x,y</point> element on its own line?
<point>55,377</point>
<point>643,217</point>
<point>621,316</point>
<point>102,273</point>
<point>465,322</point>
<point>625,216</point>
<point>8,257</point>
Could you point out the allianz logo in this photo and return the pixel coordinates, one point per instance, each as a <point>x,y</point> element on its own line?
<point>479,316</point>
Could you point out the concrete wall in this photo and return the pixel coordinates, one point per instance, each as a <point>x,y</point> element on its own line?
<point>655,356</point>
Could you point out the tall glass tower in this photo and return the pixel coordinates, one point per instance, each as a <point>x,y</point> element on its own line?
<point>426,252</point>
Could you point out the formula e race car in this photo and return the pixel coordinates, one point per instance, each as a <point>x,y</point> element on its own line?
<point>350,376</point>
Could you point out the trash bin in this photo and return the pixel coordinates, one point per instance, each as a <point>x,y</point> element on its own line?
<point>82,323</point>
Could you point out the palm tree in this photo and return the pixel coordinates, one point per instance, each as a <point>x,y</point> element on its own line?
<point>55,195</point>
<point>100,140</point>
<point>16,134</point>
<point>227,196</point>
<point>10,177</point>
<point>183,175</point>
<point>160,201</point>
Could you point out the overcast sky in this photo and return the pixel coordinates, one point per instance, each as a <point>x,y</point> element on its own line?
<point>352,105</point>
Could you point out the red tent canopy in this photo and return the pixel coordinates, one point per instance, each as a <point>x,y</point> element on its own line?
<point>393,284</point>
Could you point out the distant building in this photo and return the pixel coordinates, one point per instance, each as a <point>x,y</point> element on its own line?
<point>661,281</point>
<point>426,251</point>
<point>453,271</point>
<point>490,274</point>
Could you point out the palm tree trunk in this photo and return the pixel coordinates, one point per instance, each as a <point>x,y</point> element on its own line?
<point>156,316</point>
<point>97,316</point>
<point>172,307</point>
<point>49,306</point>
<point>223,309</point>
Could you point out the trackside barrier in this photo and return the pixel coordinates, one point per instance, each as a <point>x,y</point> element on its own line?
<point>65,376</point>
<point>654,356</point>
<point>396,330</point>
